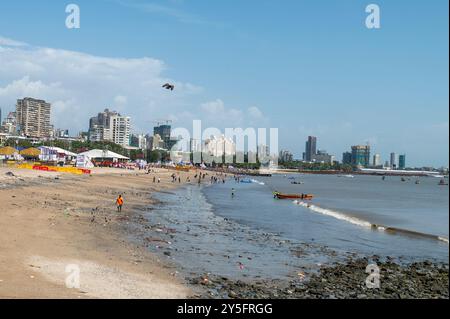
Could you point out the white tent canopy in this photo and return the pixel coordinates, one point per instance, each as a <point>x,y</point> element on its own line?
<point>93,154</point>
<point>53,149</point>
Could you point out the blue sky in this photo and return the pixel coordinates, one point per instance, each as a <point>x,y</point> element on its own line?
<point>306,67</point>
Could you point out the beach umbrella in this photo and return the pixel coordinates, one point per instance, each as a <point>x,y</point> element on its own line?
<point>30,152</point>
<point>7,151</point>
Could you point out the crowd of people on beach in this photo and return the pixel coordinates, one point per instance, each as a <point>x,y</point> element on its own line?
<point>215,177</point>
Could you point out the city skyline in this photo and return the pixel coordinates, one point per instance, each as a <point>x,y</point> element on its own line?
<point>111,126</point>
<point>334,81</point>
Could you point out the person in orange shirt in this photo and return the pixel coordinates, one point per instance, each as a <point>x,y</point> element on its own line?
<point>119,203</point>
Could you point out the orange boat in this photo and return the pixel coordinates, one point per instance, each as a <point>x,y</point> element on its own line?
<point>293,196</point>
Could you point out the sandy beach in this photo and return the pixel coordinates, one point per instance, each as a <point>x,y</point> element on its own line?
<point>54,225</point>
<point>50,222</point>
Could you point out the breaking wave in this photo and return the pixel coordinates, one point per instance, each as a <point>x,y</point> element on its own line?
<point>364,223</point>
<point>257,182</point>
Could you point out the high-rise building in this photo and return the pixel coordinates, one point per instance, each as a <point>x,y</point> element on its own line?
<point>218,146</point>
<point>9,124</point>
<point>61,133</point>
<point>322,157</point>
<point>33,118</point>
<point>164,131</point>
<point>99,126</point>
<point>195,145</point>
<point>119,130</point>
<point>402,161</point>
<point>139,141</point>
<point>361,155</point>
<point>376,160</point>
<point>393,161</point>
<point>285,157</point>
<point>347,158</point>
<point>110,126</point>
<point>310,148</point>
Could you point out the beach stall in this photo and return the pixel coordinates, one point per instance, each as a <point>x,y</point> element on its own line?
<point>83,161</point>
<point>31,153</point>
<point>56,154</point>
<point>9,153</point>
<point>105,158</point>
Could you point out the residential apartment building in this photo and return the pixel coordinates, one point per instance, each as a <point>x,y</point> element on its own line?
<point>33,118</point>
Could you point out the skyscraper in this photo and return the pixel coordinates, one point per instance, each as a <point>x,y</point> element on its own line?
<point>393,161</point>
<point>110,126</point>
<point>402,161</point>
<point>165,131</point>
<point>99,126</point>
<point>119,130</point>
<point>361,155</point>
<point>376,160</point>
<point>311,148</point>
<point>347,158</point>
<point>33,118</point>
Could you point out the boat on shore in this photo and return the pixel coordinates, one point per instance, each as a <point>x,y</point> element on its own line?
<point>293,196</point>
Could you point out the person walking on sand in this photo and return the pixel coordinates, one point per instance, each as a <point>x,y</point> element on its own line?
<point>119,203</point>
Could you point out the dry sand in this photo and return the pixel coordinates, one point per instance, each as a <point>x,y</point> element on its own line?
<point>46,229</point>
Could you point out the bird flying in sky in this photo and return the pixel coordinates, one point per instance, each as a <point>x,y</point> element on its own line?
<point>169,86</point>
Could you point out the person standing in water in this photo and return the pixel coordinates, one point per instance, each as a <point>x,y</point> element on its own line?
<point>232,192</point>
<point>119,202</point>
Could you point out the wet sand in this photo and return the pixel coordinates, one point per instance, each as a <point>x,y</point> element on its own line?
<point>50,221</point>
<point>221,258</point>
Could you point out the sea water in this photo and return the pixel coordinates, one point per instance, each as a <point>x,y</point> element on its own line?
<point>346,213</point>
<point>254,235</point>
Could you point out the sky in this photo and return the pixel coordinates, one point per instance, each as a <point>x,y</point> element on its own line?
<point>306,67</point>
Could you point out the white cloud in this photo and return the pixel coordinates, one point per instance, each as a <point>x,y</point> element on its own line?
<point>80,85</point>
<point>222,116</point>
<point>255,113</point>
<point>12,43</point>
<point>213,107</point>
<point>83,84</point>
<point>25,87</point>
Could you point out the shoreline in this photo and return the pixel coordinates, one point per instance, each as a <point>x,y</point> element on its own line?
<point>57,220</point>
<point>51,221</point>
<point>210,283</point>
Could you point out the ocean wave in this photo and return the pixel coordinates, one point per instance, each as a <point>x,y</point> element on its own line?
<point>364,223</point>
<point>335,214</point>
<point>257,182</point>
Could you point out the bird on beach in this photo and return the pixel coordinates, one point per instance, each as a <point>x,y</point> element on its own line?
<point>169,86</point>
